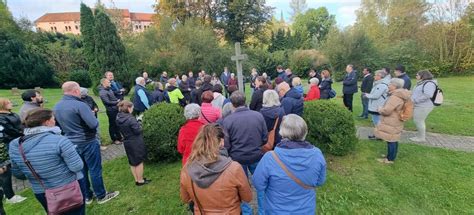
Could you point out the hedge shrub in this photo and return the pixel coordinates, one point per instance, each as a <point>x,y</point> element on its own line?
<point>82,77</point>
<point>330,127</point>
<point>301,61</point>
<point>161,125</point>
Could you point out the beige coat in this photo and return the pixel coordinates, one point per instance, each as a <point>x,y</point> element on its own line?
<point>390,126</point>
<point>223,196</point>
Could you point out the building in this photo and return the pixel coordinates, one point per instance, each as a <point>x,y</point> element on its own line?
<point>70,22</point>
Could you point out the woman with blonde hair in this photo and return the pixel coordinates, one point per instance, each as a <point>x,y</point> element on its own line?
<point>211,180</point>
<point>133,143</point>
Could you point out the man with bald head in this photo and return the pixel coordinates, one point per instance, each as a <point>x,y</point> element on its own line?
<point>79,125</point>
<point>291,100</point>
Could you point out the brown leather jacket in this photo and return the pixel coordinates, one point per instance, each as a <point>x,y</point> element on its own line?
<point>223,196</point>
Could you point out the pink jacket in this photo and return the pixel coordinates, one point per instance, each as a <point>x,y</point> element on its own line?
<point>211,113</point>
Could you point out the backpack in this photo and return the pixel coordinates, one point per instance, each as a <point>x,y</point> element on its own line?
<point>407,110</point>
<point>332,93</point>
<point>437,97</point>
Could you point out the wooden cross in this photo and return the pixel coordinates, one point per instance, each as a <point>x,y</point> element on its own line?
<point>239,58</point>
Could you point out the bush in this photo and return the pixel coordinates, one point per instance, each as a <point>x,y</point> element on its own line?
<point>160,131</point>
<point>301,61</point>
<point>82,77</point>
<point>330,127</point>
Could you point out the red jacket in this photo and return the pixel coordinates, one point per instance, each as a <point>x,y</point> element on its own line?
<point>313,93</point>
<point>186,136</point>
<point>232,82</point>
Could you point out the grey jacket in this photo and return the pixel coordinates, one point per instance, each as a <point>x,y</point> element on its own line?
<point>26,107</point>
<point>378,95</point>
<point>108,98</point>
<point>421,96</point>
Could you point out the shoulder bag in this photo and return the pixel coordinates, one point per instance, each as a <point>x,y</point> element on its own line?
<point>293,177</point>
<point>196,198</point>
<point>271,138</point>
<point>61,199</point>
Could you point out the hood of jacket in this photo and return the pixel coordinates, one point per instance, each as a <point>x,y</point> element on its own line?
<point>293,93</point>
<point>403,94</point>
<point>206,174</point>
<point>271,112</point>
<point>41,129</point>
<point>328,80</point>
<point>171,88</point>
<point>122,117</point>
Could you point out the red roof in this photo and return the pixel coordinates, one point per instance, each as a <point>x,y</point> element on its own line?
<point>141,16</point>
<point>59,17</point>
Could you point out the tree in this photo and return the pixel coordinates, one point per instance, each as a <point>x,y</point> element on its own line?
<point>184,10</point>
<point>297,7</point>
<point>87,32</point>
<point>314,25</point>
<point>240,18</point>
<point>109,52</point>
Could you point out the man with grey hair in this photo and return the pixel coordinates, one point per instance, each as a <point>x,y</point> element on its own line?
<point>283,195</point>
<point>142,99</point>
<point>246,134</point>
<point>80,126</point>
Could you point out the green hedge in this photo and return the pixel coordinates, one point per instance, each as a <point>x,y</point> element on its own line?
<point>161,125</point>
<point>330,127</point>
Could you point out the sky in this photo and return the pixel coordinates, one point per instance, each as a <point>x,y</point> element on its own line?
<point>33,9</point>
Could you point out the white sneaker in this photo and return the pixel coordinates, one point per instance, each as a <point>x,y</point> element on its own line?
<point>16,199</point>
<point>107,197</point>
<point>103,148</point>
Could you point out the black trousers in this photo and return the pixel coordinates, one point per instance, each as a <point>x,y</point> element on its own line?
<point>348,101</point>
<point>113,129</point>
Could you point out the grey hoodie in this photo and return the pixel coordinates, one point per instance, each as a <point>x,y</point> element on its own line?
<point>205,175</point>
<point>422,95</point>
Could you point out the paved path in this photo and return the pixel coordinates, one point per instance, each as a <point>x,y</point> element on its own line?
<point>459,143</point>
<point>112,152</point>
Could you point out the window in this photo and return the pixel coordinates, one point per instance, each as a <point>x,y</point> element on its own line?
<point>77,27</point>
<point>52,29</point>
<point>55,29</point>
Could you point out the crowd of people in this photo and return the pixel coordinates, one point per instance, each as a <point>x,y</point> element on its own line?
<point>223,141</point>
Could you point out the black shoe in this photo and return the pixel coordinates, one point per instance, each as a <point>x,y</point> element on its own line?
<point>145,182</point>
<point>372,137</point>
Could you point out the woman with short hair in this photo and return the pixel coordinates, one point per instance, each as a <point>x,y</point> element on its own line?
<point>53,157</point>
<point>314,92</point>
<point>209,113</point>
<point>210,179</point>
<point>377,97</point>
<point>289,174</point>
<point>422,102</point>
<point>271,111</point>
<point>391,125</point>
<point>188,132</point>
<point>133,142</point>
<point>296,83</point>
<point>257,97</point>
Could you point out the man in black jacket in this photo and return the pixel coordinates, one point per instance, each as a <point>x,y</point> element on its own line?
<point>349,86</point>
<point>366,87</point>
<point>110,102</point>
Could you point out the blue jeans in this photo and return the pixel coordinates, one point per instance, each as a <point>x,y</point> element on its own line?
<point>246,208</point>
<point>365,106</point>
<point>392,149</point>
<point>375,119</point>
<point>79,211</point>
<point>90,155</point>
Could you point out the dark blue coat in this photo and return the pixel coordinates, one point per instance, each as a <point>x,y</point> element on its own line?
<point>137,102</point>
<point>247,133</point>
<point>293,102</point>
<point>350,83</point>
<point>325,87</point>
<point>270,114</point>
<point>407,84</point>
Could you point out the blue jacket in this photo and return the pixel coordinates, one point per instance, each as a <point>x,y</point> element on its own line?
<point>282,194</point>
<point>53,157</point>
<point>350,83</point>
<point>76,120</point>
<point>270,114</point>
<point>142,99</point>
<point>325,87</point>
<point>225,78</point>
<point>407,84</point>
<point>116,87</point>
<point>247,132</point>
<point>293,102</point>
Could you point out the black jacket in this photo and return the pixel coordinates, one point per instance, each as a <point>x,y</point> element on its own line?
<point>158,96</point>
<point>130,128</point>
<point>325,87</point>
<point>12,127</point>
<point>270,115</point>
<point>367,83</point>
<point>198,92</point>
<point>91,103</point>
<point>108,98</point>
<point>257,99</point>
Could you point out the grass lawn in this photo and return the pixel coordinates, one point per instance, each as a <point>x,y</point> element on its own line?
<point>423,180</point>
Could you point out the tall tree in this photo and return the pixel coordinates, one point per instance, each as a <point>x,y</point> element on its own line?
<point>183,10</point>
<point>297,7</point>
<point>109,51</point>
<point>314,25</point>
<point>239,18</point>
<point>88,35</point>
